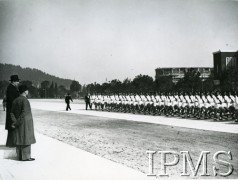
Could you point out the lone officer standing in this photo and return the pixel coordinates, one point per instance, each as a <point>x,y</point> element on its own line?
<point>12,94</point>
<point>67,101</point>
<point>87,101</point>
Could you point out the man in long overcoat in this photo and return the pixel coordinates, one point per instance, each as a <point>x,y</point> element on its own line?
<point>23,125</point>
<point>12,93</point>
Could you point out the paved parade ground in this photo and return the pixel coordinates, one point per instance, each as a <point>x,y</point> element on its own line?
<point>118,140</point>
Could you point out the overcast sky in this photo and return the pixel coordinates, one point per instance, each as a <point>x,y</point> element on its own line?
<point>91,40</point>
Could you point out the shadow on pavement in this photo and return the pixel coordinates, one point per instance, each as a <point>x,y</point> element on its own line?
<point>3,147</point>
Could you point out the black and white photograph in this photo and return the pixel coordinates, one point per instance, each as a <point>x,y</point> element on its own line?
<point>118,89</point>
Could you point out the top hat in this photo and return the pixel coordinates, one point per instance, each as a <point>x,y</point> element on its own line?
<point>22,88</point>
<point>14,78</point>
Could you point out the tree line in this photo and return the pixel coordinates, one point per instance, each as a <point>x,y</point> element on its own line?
<point>46,89</point>
<point>34,75</point>
<point>191,82</point>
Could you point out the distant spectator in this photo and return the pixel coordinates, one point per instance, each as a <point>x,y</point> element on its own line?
<point>4,102</point>
<point>68,98</point>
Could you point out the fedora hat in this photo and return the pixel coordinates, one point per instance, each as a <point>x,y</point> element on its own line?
<point>14,78</point>
<point>22,88</point>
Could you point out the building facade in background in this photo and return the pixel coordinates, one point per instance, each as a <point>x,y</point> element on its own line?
<point>178,73</point>
<point>224,60</point>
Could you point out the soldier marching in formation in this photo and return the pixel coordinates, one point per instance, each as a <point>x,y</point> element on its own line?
<point>199,105</point>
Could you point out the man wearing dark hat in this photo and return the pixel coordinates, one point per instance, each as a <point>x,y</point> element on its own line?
<point>23,132</point>
<point>12,93</point>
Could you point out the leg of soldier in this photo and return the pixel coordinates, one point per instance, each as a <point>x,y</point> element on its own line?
<point>232,111</point>
<point>179,111</point>
<point>220,113</point>
<point>175,110</point>
<point>236,115</point>
<point>185,109</point>
<point>189,113</point>
<point>195,111</point>
<point>120,107</point>
<point>128,108</point>
<point>182,109</point>
<point>212,114</point>
<point>125,108</point>
<point>151,109</point>
<point>162,110</point>
<point>208,113</point>
<point>147,109</point>
<point>86,106</point>
<point>108,107</point>
<point>105,107</point>
<point>144,109</point>
<point>117,107</point>
<point>223,114</point>
<point>137,108</point>
<point>132,108</point>
<point>199,111</point>
<point>112,106</point>
<point>170,110</point>
<point>205,113</point>
<point>216,113</point>
<point>191,109</point>
<point>140,107</point>
<point>157,108</point>
<point>166,109</point>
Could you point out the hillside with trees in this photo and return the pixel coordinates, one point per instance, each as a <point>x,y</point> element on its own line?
<point>40,84</point>
<point>34,75</point>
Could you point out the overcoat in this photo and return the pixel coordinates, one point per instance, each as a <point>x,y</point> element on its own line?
<point>23,120</point>
<point>12,93</point>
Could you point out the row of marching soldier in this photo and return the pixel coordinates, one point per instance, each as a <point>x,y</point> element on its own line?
<point>199,105</point>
